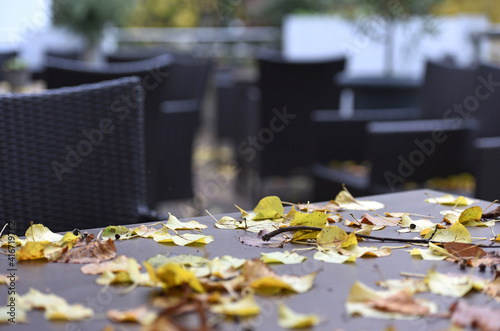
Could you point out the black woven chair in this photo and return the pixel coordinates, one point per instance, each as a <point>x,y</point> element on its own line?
<point>401,153</point>
<point>291,89</point>
<point>69,159</point>
<point>153,73</point>
<point>179,122</point>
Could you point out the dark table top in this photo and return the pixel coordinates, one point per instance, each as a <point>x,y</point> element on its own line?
<point>327,298</point>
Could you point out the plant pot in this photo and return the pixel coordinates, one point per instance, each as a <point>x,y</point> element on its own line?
<point>16,78</point>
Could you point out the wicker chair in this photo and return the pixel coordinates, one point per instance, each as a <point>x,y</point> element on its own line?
<point>399,153</point>
<point>70,160</point>
<point>154,74</point>
<point>291,89</point>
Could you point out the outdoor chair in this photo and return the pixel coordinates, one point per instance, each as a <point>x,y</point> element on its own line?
<point>346,139</point>
<point>153,73</point>
<point>401,153</point>
<point>69,160</point>
<point>290,91</point>
<point>178,120</point>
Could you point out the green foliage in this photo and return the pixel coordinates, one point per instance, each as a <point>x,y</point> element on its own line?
<point>15,63</point>
<point>89,17</point>
<point>275,10</point>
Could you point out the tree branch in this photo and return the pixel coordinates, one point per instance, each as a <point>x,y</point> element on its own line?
<point>271,234</point>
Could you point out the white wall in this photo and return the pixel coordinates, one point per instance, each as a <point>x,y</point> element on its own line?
<point>317,36</point>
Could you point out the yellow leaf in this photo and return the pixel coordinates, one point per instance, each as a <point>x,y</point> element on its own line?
<point>346,201</point>
<point>451,200</point>
<point>118,264</point>
<point>172,275</point>
<point>449,285</point>
<point>144,231</point>
<point>269,208</point>
<point>69,239</point>
<point>317,219</point>
<point>263,279</point>
<point>243,307</point>
<point>282,257</point>
<point>290,319</point>
<point>333,257</point>
<point>413,285</point>
<point>34,250</point>
<point>456,233</point>
<point>427,254</point>
<point>11,240</point>
<point>471,214</point>
<point>191,238</point>
<point>76,312</point>
<point>418,225</point>
<point>117,232</point>
<point>335,236</point>
<point>366,302</point>
<point>174,224</point>
<point>39,232</point>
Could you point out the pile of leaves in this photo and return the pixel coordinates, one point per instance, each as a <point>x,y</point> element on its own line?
<point>226,287</point>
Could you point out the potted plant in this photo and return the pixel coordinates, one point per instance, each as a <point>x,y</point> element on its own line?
<point>16,72</point>
<point>88,19</point>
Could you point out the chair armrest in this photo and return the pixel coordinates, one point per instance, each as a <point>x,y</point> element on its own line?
<point>179,106</point>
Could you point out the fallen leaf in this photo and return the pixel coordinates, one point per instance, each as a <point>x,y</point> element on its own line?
<point>451,200</point>
<point>145,231</point>
<point>163,236</point>
<point>264,280</point>
<point>173,275</point>
<point>330,207</point>
<point>346,201</point>
<point>456,232</point>
<point>34,250</point>
<point>173,223</point>
<point>11,240</point>
<point>416,225</point>
<point>464,251</point>
<point>245,306</point>
<point>333,257</point>
<point>5,314</point>
<point>118,264</point>
<point>274,242</point>
<point>117,232</point>
<point>452,285</point>
<point>413,285</point>
<point>282,257</point>
<point>427,254</point>
<point>492,289</point>
<point>385,221</point>
<point>141,315</point>
<point>39,232</point>
<point>92,252</point>
<point>269,207</point>
<point>290,319</point>
<point>495,213</point>
<point>482,318</point>
<point>333,236</point>
<point>76,312</point>
<point>317,219</point>
<point>366,302</point>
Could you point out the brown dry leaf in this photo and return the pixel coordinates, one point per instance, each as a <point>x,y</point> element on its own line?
<point>493,288</point>
<point>141,315</point>
<point>386,221</point>
<point>92,252</point>
<point>330,207</point>
<point>117,265</point>
<point>491,258</point>
<point>482,318</point>
<point>402,302</point>
<point>463,250</point>
<point>495,213</point>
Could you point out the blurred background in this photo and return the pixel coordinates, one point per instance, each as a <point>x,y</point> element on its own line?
<point>267,62</point>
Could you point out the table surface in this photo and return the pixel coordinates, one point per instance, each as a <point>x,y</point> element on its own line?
<point>327,298</point>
